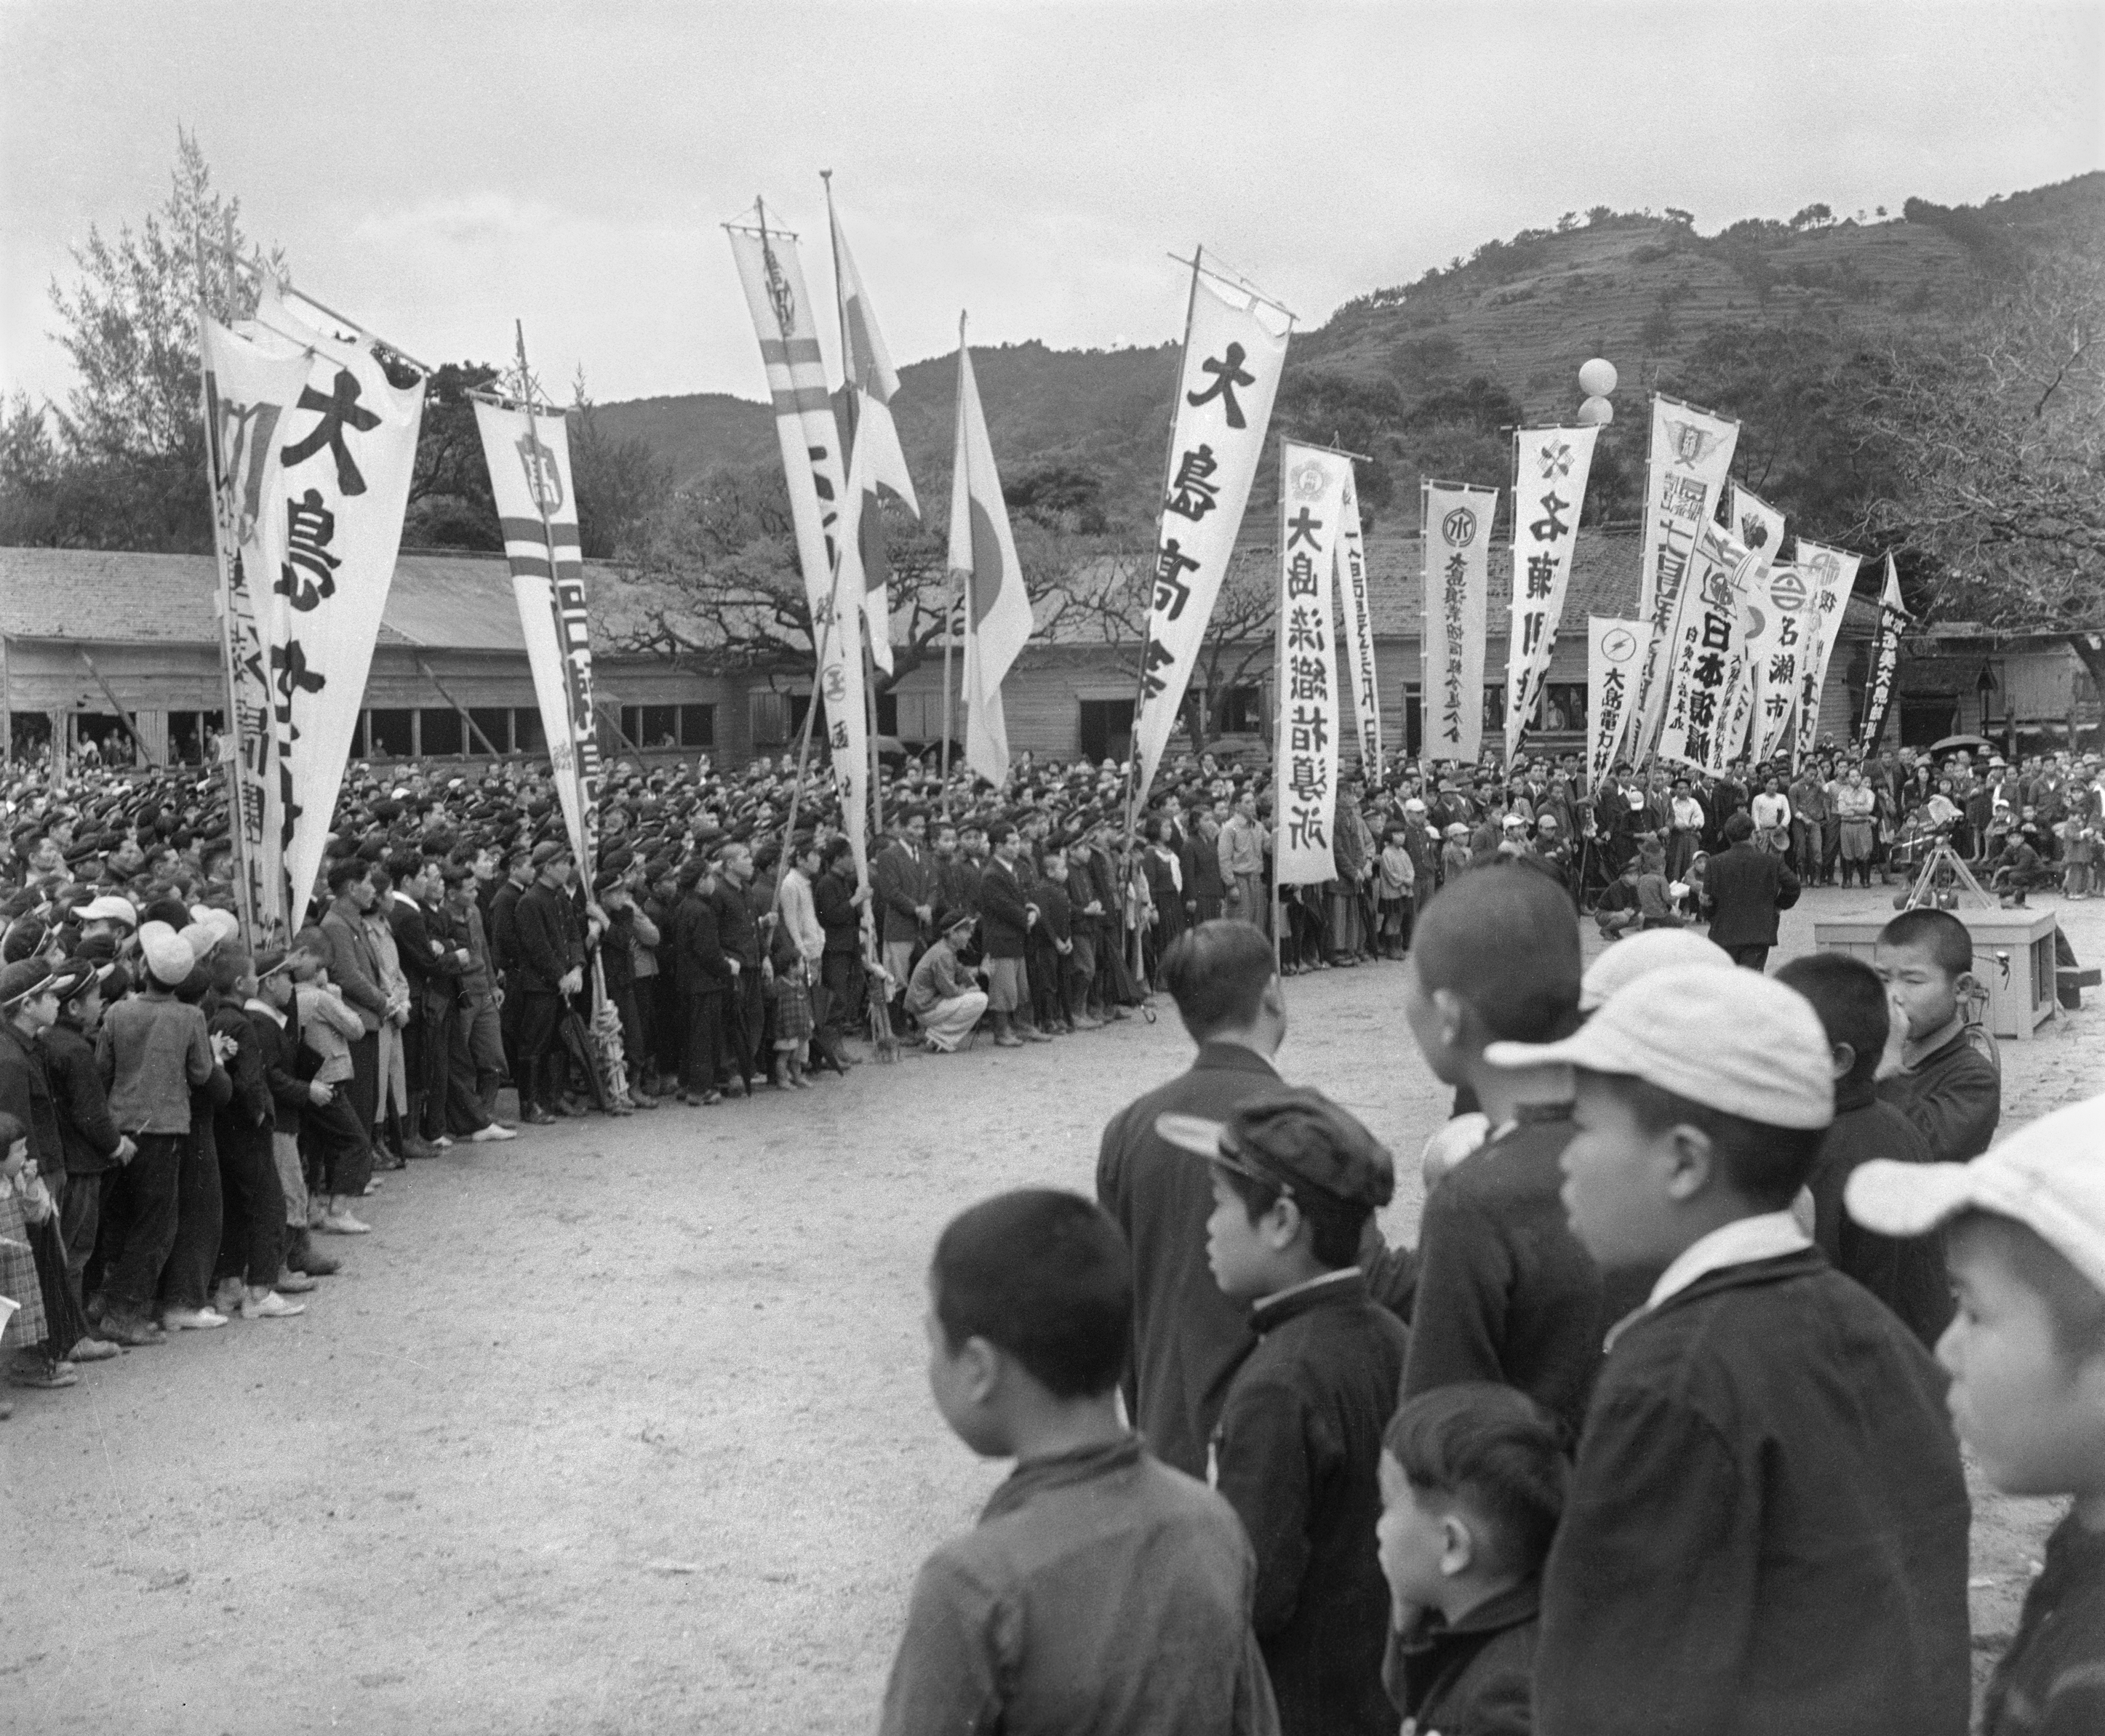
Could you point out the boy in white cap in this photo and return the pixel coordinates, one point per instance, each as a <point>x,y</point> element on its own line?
<point>1767,1522</point>
<point>2025,1240</point>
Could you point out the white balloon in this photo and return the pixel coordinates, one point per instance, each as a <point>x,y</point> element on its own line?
<point>1597,379</point>
<point>1597,410</point>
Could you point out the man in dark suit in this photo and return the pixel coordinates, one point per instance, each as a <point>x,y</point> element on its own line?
<point>551,965</point>
<point>1743,891</point>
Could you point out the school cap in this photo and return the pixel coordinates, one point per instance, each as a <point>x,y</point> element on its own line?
<point>108,908</point>
<point>2049,1176</point>
<point>1735,1041</point>
<point>1294,1139</point>
<point>22,978</point>
<point>544,853</point>
<point>1640,955</point>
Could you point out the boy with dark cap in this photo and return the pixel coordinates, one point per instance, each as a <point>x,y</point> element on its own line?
<point>1297,1450</point>
<point>1101,1590</point>
<point>1767,1526</point>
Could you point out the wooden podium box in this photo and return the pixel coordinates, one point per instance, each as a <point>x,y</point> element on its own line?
<point>2013,956</point>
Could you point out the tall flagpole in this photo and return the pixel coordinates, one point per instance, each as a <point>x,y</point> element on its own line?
<point>958,609</point>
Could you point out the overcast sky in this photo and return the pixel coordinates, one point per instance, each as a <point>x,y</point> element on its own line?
<point>437,168</point>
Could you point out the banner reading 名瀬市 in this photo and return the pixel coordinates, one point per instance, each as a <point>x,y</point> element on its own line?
<point>529,479</point>
<point>810,441</point>
<point>1760,526</point>
<point>1549,483</point>
<point>1234,349</point>
<point>251,380</point>
<point>1788,615</point>
<point>1706,651</point>
<point>1691,454</point>
<point>1830,574</point>
<point>1311,494</point>
<point>1885,660</point>
<point>1614,650</point>
<point>1359,628</point>
<point>345,450</point>
<point>1457,533</point>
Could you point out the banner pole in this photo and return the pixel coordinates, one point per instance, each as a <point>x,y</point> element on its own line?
<point>957,609</point>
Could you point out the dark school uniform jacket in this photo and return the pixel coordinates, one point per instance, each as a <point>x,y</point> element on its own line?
<point>1056,916</point>
<point>1767,1527</point>
<point>1905,1273</point>
<point>1954,1097</point>
<point>736,931</point>
<point>25,1093</point>
<point>287,1066</point>
<point>1004,918</point>
<point>1505,1291</point>
<point>833,900</point>
<point>1474,1677</point>
<point>1743,890</point>
<point>699,965</point>
<point>87,1131</point>
<point>902,880</point>
<point>545,951</point>
<point>2051,1682</point>
<point>504,927</point>
<point>1100,1592</point>
<point>1297,1453</point>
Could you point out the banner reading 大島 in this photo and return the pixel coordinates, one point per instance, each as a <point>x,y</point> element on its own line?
<point>346,449</point>
<point>1690,456</point>
<point>1457,533</point>
<point>1549,483</point>
<point>251,380</point>
<point>1359,629</point>
<point>810,441</point>
<point>537,508</point>
<point>1885,660</point>
<point>1614,651</point>
<point>1831,576</point>
<point>1760,527</point>
<point>1311,493</point>
<point>1234,349</point>
<point>1706,651</point>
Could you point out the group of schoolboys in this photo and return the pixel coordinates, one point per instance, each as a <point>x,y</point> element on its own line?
<point>1656,1433</point>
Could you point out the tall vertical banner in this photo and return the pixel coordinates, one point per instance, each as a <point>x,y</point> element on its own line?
<point>1706,653</point>
<point>1614,653</point>
<point>804,428</point>
<point>1360,627</point>
<point>1691,454</point>
<point>251,380</point>
<point>1760,526</point>
<point>1831,576</point>
<point>998,611</point>
<point>1550,465</point>
<point>1311,497</point>
<point>537,509</point>
<point>1885,660</point>
<point>347,448</point>
<point>1232,359</point>
<point>1456,532</point>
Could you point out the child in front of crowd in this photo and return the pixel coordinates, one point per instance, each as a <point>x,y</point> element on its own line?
<point>1101,1590</point>
<point>1051,944</point>
<point>1655,892</point>
<point>334,1146</point>
<point>1617,913</point>
<point>2081,853</point>
<point>1472,1482</point>
<point>1767,1526</point>
<point>1297,1448</point>
<point>1394,895</point>
<point>1933,1073</point>
<point>2025,1235</point>
<point>1908,1276</point>
<point>1455,855</point>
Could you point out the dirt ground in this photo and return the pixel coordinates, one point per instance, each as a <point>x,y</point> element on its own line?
<point>623,1427</point>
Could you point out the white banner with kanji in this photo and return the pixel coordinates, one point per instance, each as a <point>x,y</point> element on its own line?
<point>1706,651</point>
<point>1457,539</point>
<point>1358,604</point>
<point>1772,652</point>
<point>537,508</point>
<point>1312,495</point>
<point>1760,527</point>
<point>1234,349</point>
<point>1549,483</point>
<point>346,449</point>
<point>251,380</point>
<point>1615,652</point>
<point>1885,660</point>
<point>1690,456</point>
<point>1830,574</point>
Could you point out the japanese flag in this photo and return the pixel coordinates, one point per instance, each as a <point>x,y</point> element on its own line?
<point>997,609</point>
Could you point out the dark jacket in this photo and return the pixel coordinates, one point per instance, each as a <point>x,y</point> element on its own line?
<point>287,1066</point>
<point>548,951</point>
<point>1004,921</point>
<point>902,880</point>
<point>87,1132</point>
<point>736,931</point>
<point>504,927</point>
<point>699,965</point>
<point>1476,1677</point>
<point>1297,1453</point>
<point>1505,1291</point>
<point>2051,1682</point>
<point>1905,1273</point>
<point>249,1106</point>
<point>1187,1337</point>
<point>833,896</point>
<point>957,884</point>
<point>1743,891</point>
<point>423,940</point>
<point>1954,1098</point>
<point>1767,1528</point>
<point>1056,916</point>
<point>25,1093</point>
<point>351,965</point>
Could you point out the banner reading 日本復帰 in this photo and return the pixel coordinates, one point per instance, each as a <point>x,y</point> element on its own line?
<point>1706,651</point>
<point>1691,455</point>
<point>1457,531</point>
<point>1312,492</point>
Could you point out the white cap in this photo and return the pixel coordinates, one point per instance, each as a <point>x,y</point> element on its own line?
<point>1641,954</point>
<point>168,955</point>
<point>2049,1176</point>
<point>1735,1041</point>
<point>109,907</point>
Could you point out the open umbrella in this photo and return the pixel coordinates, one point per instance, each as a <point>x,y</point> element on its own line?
<point>1952,743</point>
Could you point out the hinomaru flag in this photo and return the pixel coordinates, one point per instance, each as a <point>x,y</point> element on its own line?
<point>251,379</point>
<point>1353,593</point>
<point>869,388</point>
<point>1830,575</point>
<point>345,451</point>
<point>998,609</point>
<point>537,509</point>
<point>1457,534</point>
<point>1550,466</point>
<point>1615,652</point>
<point>1234,349</point>
<point>1760,526</point>
<point>805,430</point>
<point>1311,494</point>
<point>1691,455</point>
